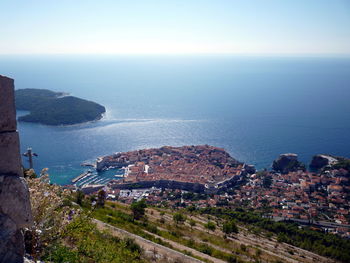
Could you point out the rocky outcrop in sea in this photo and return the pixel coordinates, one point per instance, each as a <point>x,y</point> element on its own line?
<point>287,162</point>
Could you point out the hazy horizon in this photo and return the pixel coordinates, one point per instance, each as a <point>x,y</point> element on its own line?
<point>252,28</point>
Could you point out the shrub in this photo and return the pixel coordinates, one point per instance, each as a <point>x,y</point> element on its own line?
<point>230,227</point>
<point>210,226</point>
<point>179,218</point>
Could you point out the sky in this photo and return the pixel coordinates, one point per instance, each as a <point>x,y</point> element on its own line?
<point>290,27</point>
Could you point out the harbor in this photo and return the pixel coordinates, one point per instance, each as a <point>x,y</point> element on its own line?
<point>92,177</point>
<point>82,176</point>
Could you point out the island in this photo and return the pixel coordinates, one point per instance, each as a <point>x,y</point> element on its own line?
<point>56,108</point>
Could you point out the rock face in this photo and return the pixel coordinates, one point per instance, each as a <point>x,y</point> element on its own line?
<point>15,210</point>
<point>7,107</point>
<point>319,161</point>
<point>9,142</point>
<point>9,149</point>
<point>11,241</point>
<point>286,163</point>
<point>15,193</point>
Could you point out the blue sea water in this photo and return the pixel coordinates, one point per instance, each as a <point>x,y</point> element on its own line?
<point>254,107</point>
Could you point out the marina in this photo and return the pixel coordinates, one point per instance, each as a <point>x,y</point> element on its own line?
<point>82,176</point>
<point>91,177</point>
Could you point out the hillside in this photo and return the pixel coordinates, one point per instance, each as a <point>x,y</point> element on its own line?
<point>48,107</point>
<point>64,232</point>
<point>75,227</point>
<point>202,234</point>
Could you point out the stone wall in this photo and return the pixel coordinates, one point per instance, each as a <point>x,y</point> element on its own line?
<point>169,184</point>
<point>15,211</point>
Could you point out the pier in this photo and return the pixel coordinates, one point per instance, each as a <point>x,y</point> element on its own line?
<point>76,179</point>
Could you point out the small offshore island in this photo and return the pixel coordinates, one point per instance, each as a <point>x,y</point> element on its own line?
<point>56,108</point>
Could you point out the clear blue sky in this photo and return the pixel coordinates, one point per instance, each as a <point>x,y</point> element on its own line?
<point>175,26</point>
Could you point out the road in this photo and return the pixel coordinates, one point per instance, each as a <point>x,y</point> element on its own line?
<point>314,223</point>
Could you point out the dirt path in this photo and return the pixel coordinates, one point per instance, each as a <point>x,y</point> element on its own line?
<point>155,251</point>
<point>182,247</point>
<point>270,247</point>
<point>282,251</point>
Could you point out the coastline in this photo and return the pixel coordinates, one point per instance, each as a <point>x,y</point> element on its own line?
<point>306,129</point>
<point>140,169</point>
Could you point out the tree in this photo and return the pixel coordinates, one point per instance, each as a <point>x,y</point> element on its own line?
<point>138,209</point>
<point>191,208</point>
<point>267,181</point>
<point>79,197</point>
<point>192,223</point>
<point>210,226</point>
<point>179,218</point>
<point>230,227</point>
<point>93,200</point>
<point>232,259</point>
<point>101,198</point>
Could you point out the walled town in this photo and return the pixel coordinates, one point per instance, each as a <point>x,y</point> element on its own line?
<point>201,166</point>
<point>287,192</point>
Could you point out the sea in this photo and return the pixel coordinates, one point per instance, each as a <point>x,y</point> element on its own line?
<point>254,107</point>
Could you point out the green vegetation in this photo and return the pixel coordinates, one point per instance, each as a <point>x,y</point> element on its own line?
<point>68,234</point>
<point>122,217</point>
<point>84,243</point>
<point>229,227</point>
<point>138,209</point>
<point>192,223</point>
<point>267,181</point>
<point>79,196</point>
<point>191,196</point>
<point>210,226</point>
<point>101,198</point>
<point>63,231</point>
<point>343,163</point>
<point>321,243</point>
<point>179,218</point>
<point>47,107</point>
<point>324,244</point>
<point>285,165</point>
<point>28,99</point>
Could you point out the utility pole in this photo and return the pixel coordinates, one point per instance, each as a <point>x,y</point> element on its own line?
<point>29,153</point>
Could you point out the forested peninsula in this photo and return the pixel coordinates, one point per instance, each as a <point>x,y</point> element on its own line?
<point>56,108</point>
